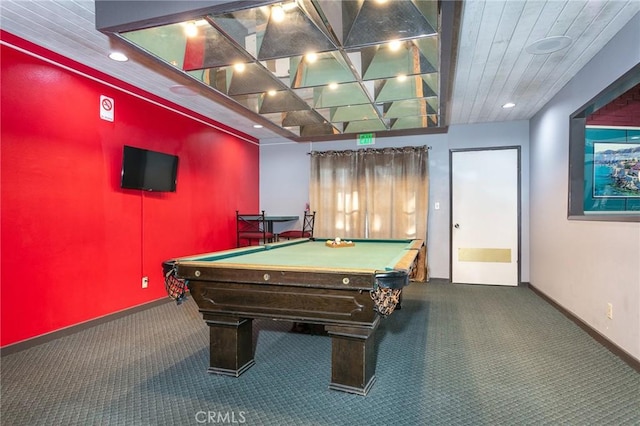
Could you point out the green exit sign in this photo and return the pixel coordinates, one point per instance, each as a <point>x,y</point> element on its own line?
<point>366,139</point>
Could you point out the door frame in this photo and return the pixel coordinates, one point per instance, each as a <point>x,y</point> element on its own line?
<point>519,202</point>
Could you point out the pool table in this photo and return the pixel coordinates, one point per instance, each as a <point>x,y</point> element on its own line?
<point>303,281</point>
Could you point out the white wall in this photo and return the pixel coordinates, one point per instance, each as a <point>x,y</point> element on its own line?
<point>583,265</point>
<point>284,178</point>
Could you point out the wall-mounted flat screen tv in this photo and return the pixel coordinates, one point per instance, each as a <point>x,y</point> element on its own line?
<point>148,170</point>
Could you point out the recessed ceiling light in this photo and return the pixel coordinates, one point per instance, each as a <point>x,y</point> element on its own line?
<point>402,77</point>
<point>271,92</point>
<point>394,45</point>
<point>508,105</point>
<point>333,86</point>
<point>548,45</point>
<point>191,30</point>
<point>239,67</point>
<point>277,13</point>
<point>257,126</point>
<point>311,57</point>
<point>118,56</point>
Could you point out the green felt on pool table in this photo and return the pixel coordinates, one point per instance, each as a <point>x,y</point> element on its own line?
<point>366,254</point>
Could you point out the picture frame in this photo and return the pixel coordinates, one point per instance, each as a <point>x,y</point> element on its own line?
<point>592,194</point>
<point>616,170</point>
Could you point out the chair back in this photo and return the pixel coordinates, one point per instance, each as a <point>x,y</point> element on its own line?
<point>308,223</point>
<point>252,227</point>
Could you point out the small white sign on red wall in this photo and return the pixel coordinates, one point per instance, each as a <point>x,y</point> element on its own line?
<point>107,107</point>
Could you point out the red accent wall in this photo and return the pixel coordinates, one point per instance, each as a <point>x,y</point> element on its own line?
<point>74,245</point>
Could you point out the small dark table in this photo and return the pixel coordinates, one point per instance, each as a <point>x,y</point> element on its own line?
<point>271,219</point>
<point>301,281</point>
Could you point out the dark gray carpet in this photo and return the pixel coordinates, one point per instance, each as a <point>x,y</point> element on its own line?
<point>455,354</point>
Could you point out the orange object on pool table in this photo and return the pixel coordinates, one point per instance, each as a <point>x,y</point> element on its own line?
<point>337,243</point>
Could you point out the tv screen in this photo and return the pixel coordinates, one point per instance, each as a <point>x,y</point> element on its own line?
<point>148,170</point>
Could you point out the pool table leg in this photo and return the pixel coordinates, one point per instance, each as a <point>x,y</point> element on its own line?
<point>230,344</point>
<point>353,358</point>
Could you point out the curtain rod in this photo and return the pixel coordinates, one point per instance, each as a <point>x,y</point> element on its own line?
<point>427,147</point>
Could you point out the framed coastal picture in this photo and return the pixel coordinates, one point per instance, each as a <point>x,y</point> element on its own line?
<point>604,155</point>
<point>616,170</point>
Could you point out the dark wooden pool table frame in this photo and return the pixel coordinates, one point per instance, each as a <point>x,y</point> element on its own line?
<point>230,295</point>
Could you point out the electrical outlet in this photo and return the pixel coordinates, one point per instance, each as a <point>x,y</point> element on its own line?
<point>145,282</point>
<point>609,310</point>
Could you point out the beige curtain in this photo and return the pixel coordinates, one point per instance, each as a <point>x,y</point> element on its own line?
<point>370,193</point>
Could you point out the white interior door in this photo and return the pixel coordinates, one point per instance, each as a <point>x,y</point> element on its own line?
<point>484,216</point>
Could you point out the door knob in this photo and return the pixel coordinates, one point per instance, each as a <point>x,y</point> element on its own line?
<point>456,226</point>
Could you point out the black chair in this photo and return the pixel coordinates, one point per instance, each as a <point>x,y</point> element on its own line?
<point>307,228</point>
<point>252,227</point>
